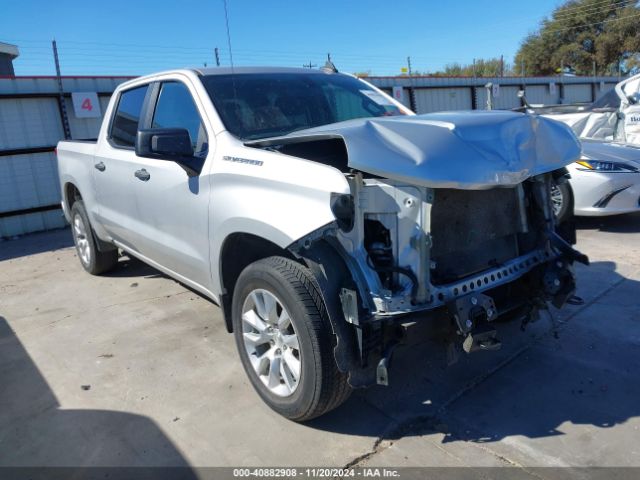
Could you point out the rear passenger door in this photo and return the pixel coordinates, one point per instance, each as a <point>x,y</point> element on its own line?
<point>173,207</point>
<point>113,168</point>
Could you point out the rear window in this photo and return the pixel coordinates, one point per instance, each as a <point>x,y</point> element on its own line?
<point>125,121</point>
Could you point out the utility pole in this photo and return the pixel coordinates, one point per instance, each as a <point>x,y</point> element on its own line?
<point>619,69</point>
<point>309,65</point>
<point>502,65</point>
<point>594,68</point>
<point>474,68</point>
<point>489,87</point>
<point>522,68</point>
<point>61,104</point>
<point>217,56</point>
<point>412,93</point>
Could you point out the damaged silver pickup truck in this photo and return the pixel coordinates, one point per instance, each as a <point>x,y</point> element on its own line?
<point>324,217</point>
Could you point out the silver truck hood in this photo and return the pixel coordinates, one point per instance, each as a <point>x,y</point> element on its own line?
<point>466,150</point>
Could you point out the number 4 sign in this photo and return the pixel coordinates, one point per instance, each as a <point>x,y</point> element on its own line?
<point>86,105</point>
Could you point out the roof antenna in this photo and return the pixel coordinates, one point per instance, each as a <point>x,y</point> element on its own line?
<point>226,18</point>
<point>233,77</point>
<point>329,67</point>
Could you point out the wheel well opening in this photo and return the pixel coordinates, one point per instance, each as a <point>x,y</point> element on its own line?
<point>238,252</point>
<point>71,195</point>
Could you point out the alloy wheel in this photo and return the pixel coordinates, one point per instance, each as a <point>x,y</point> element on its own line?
<point>557,199</point>
<point>271,342</point>
<point>82,242</point>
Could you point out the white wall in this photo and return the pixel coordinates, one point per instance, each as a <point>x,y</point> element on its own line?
<point>30,118</point>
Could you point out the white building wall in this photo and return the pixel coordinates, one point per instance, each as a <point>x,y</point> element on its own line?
<point>30,119</point>
<point>446,93</point>
<point>441,99</point>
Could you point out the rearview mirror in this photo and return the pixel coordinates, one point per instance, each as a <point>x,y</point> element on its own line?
<point>167,143</point>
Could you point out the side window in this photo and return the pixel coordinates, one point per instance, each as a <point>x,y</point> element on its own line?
<point>175,109</point>
<point>125,121</point>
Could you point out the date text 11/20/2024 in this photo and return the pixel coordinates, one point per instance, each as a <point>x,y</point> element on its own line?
<point>316,472</point>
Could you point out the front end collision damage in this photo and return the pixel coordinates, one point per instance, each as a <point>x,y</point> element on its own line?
<point>447,220</point>
<point>384,270</point>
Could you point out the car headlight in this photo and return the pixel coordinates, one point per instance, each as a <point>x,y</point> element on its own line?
<point>600,166</point>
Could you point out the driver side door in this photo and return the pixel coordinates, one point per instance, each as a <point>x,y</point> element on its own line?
<point>173,207</point>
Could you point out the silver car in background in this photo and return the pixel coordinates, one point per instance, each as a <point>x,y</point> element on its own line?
<point>605,181</point>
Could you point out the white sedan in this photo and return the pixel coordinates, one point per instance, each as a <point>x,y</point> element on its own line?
<point>605,181</point>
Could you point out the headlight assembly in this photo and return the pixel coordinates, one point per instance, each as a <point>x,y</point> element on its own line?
<point>602,166</point>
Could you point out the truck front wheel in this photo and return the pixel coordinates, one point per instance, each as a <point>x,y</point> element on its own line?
<point>285,340</point>
<point>93,260</point>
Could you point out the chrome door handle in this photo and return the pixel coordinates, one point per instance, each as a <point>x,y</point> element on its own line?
<point>142,175</point>
<point>100,166</point>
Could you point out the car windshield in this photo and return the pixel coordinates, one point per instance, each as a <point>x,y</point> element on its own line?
<point>261,105</point>
<point>608,100</point>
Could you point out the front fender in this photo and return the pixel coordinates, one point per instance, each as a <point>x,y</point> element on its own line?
<point>282,200</point>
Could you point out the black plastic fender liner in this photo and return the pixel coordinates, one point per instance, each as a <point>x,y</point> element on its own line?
<point>332,274</point>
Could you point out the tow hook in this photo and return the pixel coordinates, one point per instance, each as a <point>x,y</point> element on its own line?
<point>559,283</point>
<point>472,314</point>
<point>382,370</point>
<point>482,338</point>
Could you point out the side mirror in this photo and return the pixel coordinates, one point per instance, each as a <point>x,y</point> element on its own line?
<point>167,143</point>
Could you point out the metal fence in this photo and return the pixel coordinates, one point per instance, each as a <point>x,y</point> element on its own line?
<point>31,124</point>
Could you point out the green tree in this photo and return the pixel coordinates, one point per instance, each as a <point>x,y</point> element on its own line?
<point>581,34</point>
<point>491,67</point>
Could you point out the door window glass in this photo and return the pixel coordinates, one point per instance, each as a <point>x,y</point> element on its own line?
<point>176,109</point>
<point>125,122</point>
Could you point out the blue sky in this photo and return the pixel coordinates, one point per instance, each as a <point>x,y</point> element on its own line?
<point>137,37</point>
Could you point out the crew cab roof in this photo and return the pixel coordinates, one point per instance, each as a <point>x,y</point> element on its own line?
<point>250,70</point>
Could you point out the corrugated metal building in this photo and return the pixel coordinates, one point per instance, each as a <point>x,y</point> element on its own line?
<point>433,94</point>
<point>31,125</point>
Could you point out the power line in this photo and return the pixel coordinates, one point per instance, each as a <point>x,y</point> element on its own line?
<point>592,24</point>
<point>566,12</point>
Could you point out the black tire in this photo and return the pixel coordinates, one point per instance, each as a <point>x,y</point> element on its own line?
<point>565,211</point>
<point>321,386</point>
<point>96,262</point>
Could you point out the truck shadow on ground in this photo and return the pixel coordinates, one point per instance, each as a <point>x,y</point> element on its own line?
<point>531,388</point>
<point>130,266</point>
<point>36,432</point>
<point>37,243</point>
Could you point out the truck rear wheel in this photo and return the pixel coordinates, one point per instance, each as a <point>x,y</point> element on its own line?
<point>285,340</point>
<point>92,260</point>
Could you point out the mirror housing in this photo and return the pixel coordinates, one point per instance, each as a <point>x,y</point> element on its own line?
<point>173,144</point>
<point>167,143</point>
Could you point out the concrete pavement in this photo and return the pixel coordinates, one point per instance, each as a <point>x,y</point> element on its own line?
<point>134,369</point>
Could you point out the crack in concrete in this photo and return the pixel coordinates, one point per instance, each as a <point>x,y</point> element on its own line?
<point>398,429</point>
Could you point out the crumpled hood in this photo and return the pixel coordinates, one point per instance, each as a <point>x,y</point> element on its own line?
<point>466,150</point>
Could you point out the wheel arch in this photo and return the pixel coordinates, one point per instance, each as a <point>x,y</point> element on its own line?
<point>71,194</point>
<point>238,251</point>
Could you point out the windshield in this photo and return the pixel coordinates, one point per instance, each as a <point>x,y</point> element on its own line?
<point>608,100</point>
<point>262,105</point>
